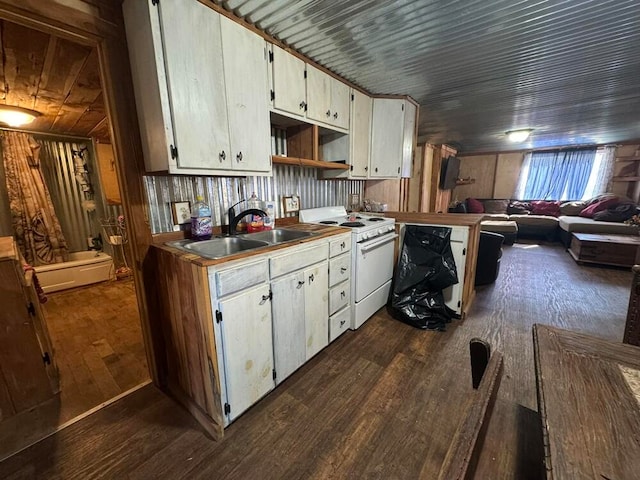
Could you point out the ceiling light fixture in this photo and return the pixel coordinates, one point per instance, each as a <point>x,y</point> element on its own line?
<point>519,135</point>
<point>16,116</point>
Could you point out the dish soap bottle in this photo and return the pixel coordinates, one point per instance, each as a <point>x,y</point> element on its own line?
<point>201,224</point>
<point>256,222</point>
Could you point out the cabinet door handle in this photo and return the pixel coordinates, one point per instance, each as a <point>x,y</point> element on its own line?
<point>303,106</point>
<point>311,278</point>
<point>343,269</point>
<point>265,298</point>
<point>342,294</point>
<point>342,322</point>
<point>366,169</point>
<point>300,285</point>
<point>239,156</point>
<point>222,156</point>
<point>376,169</point>
<point>342,245</point>
<point>335,115</point>
<point>328,113</point>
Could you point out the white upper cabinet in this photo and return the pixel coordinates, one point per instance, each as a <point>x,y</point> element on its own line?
<point>360,133</point>
<point>340,103</point>
<point>191,101</point>
<point>327,98</point>
<point>387,135</point>
<point>303,91</point>
<point>392,137</point>
<point>318,95</point>
<point>289,88</point>
<point>245,74</point>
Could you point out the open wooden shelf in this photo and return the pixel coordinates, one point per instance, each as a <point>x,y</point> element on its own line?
<point>626,179</point>
<point>306,162</point>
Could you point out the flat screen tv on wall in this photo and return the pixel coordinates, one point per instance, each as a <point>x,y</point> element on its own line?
<point>449,172</point>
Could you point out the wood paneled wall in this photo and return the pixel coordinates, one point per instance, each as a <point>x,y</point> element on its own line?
<point>496,175</point>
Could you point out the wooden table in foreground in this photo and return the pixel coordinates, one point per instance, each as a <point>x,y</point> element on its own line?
<point>605,249</point>
<point>589,404</point>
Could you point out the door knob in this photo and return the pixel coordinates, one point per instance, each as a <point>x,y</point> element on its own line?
<point>300,285</point>
<point>222,156</point>
<point>328,113</point>
<point>239,156</point>
<point>335,115</point>
<point>311,278</point>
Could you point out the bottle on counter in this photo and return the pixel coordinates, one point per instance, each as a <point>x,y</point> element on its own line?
<point>255,223</point>
<point>201,224</point>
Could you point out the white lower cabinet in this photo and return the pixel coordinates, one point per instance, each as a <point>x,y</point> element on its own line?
<point>300,305</point>
<point>244,322</point>
<point>274,312</point>
<point>288,324</point>
<point>340,286</point>
<point>316,308</point>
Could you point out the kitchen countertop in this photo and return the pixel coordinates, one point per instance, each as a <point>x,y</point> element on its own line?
<point>323,231</point>
<point>461,219</point>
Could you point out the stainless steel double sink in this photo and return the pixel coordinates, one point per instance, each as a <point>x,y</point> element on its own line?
<point>220,247</point>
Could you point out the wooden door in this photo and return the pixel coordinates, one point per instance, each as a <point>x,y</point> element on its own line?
<point>246,81</point>
<point>248,348</point>
<point>193,60</point>
<point>340,100</point>
<point>386,137</point>
<point>23,379</point>
<point>316,308</point>
<point>319,95</point>
<point>360,133</point>
<point>288,324</point>
<point>289,85</point>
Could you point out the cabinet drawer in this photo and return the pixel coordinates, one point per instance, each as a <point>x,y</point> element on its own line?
<point>339,269</point>
<point>341,245</point>
<point>339,323</point>
<point>298,259</point>
<point>339,297</point>
<point>239,278</point>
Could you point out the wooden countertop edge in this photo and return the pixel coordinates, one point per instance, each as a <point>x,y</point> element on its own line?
<point>462,219</point>
<point>324,232</point>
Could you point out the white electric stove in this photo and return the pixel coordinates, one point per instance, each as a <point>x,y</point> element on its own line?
<point>372,244</point>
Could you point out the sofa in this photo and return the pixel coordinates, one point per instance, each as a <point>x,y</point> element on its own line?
<point>551,220</point>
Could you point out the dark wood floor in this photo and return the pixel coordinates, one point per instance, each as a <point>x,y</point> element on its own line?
<point>382,402</point>
<point>98,347</point>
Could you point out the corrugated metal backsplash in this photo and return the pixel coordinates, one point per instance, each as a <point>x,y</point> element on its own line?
<point>222,192</point>
<point>568,68</point>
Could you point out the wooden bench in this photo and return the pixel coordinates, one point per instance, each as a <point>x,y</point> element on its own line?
<point>462,457</point>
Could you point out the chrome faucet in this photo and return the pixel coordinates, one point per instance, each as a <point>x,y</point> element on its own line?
<point>235,219</point>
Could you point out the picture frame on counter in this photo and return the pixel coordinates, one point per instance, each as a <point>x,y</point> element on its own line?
<point>181,212</point>
<point>291,203</point>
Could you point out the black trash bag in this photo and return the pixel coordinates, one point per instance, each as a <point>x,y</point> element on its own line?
<point>425,268</point>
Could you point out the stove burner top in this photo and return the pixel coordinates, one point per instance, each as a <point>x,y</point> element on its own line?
<point>329,222</point>
<point>352,224</point>
<point>376,219</point>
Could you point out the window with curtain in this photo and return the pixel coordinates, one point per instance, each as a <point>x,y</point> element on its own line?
<point>558,174</point>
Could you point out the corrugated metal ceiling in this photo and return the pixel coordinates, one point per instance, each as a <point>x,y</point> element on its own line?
<point>569,69</point>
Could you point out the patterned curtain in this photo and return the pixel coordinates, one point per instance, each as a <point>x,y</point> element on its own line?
<point>35,225</point>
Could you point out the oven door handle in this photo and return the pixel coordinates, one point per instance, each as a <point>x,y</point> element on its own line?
<point>386,239</point>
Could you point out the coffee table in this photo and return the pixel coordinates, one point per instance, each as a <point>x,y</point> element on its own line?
<point>605,249</point>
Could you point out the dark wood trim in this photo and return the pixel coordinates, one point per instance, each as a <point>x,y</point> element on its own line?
<point>83,22</point>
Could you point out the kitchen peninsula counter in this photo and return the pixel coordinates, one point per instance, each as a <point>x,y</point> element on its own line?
<point>471,221</point>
